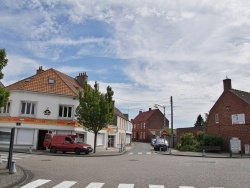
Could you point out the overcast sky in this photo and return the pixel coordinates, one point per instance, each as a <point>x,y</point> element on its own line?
<point>146,50</point>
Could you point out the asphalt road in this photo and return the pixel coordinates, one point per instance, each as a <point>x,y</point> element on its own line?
<point>138,168</point>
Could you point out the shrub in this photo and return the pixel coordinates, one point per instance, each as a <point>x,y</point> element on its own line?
<point>211,140</point>
<point>188,142</point>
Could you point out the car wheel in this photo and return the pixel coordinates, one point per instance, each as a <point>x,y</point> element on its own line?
<point>53,150</point>
<point>77,151</point>
<point>86,152</point>
<point>64,152</point>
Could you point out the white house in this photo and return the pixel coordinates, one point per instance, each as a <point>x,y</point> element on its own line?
<point>42,103</point>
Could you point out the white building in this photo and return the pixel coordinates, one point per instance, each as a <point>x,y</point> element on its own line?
<point>42,103</point>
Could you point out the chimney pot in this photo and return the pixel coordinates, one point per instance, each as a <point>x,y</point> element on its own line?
<point>39,70</point>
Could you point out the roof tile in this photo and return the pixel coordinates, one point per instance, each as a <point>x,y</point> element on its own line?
<point>63,84</point>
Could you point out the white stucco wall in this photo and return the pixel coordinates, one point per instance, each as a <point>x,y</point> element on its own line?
<point>42,102</point>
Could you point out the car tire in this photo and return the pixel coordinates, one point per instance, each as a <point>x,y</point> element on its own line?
<point>64,152</point>
<point>86,152</point>
<point>53,150</point>
<point>77,151</point>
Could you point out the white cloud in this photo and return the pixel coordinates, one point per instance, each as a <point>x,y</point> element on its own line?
<point>181,48</point>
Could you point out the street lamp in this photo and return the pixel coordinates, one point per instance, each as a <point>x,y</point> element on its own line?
<point>164,125</point>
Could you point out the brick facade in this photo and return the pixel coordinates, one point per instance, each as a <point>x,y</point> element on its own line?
<point>219,122</point>
<point>147,124</point>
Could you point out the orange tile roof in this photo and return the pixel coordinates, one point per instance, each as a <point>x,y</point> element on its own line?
<point>63,84</point>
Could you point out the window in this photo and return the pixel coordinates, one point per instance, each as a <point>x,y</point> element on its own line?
<point>65,111</point>
<point>216,118</point>
<point>4,135</point>
<point>28,108</point>
<point>6,109</point>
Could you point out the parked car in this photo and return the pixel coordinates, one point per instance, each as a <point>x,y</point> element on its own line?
<point>65,143</point>
<point>160,145</point>
<point>153,141</point>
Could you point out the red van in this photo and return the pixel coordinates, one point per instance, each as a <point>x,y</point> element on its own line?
<point>65,143</point>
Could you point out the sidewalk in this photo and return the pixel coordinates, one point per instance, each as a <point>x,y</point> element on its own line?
<point>10,180</point>
<point>175,152</point>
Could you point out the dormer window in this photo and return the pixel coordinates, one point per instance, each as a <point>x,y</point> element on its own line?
<point>28,79</point>
<point>51,81</point>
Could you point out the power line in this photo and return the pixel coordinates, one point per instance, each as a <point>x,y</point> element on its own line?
<point>148,101</point>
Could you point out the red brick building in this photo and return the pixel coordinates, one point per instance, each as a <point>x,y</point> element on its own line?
<point>147,125</point>
<point>230,115</point>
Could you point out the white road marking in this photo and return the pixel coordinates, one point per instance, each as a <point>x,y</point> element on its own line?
<point>65,184</point>
<point>95,185</point>
<point>186,187</point>
<point>148,153</point>
<point>131,153</point>
<point>36,183</point>
<point>156,186</point>
<point>139,153</point>
<point>126,186</point>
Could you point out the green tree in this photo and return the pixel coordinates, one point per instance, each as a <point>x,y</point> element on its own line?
<point>4,95</point>
<point>95,110</point>
<point>199,122</point>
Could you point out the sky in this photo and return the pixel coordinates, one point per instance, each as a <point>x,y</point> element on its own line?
<point>146,50</point>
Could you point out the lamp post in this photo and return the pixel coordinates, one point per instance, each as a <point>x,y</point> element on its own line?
<point>164,124</point>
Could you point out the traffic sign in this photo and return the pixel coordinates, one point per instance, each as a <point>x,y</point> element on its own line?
<point>164,133</point>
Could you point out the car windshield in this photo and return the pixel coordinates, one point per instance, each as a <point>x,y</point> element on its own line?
<point>161,141</point>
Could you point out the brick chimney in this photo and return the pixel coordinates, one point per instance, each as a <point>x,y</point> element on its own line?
<point>227,84</point>
<point>82,78</point>
<point>39,70</point>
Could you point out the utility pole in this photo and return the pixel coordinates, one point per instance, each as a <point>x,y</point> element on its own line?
<point>172,136</point>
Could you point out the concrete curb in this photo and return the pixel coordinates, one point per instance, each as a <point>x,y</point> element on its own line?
<point>209,155</point>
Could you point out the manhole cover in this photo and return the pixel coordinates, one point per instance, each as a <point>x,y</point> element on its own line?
<point>45,160</point>
<point>133,160</point>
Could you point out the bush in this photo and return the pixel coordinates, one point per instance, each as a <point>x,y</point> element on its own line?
<point>211,140</point>
<point>188,142</point>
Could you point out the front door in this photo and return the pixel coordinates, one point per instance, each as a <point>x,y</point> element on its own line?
<point>41,136</point>
<point>111,141</point>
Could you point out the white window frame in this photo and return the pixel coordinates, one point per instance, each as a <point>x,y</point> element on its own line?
<point>29,108</point>
<point>63,109</point>
<point>216,118</point>
<point>6,109</point>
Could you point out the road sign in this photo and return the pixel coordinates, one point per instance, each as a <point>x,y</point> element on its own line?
<point>164,133</point>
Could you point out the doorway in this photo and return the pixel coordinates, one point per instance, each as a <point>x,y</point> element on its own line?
<point>111,141</point>
<point>41,135</point>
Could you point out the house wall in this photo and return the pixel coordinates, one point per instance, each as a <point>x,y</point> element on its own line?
<point>229,131</point>
<point>121,124</point>
<point>43,102</point>
<point>39,121</point>
<point>142,129</point>
<point>227,105</point>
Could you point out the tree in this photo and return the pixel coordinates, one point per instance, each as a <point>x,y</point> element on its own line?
<point>95,110</point>
<point>205,121</point>
<point>199,122</point>
<point>4,95</point>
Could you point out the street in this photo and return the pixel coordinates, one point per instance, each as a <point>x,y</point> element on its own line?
<point>138,168</point>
